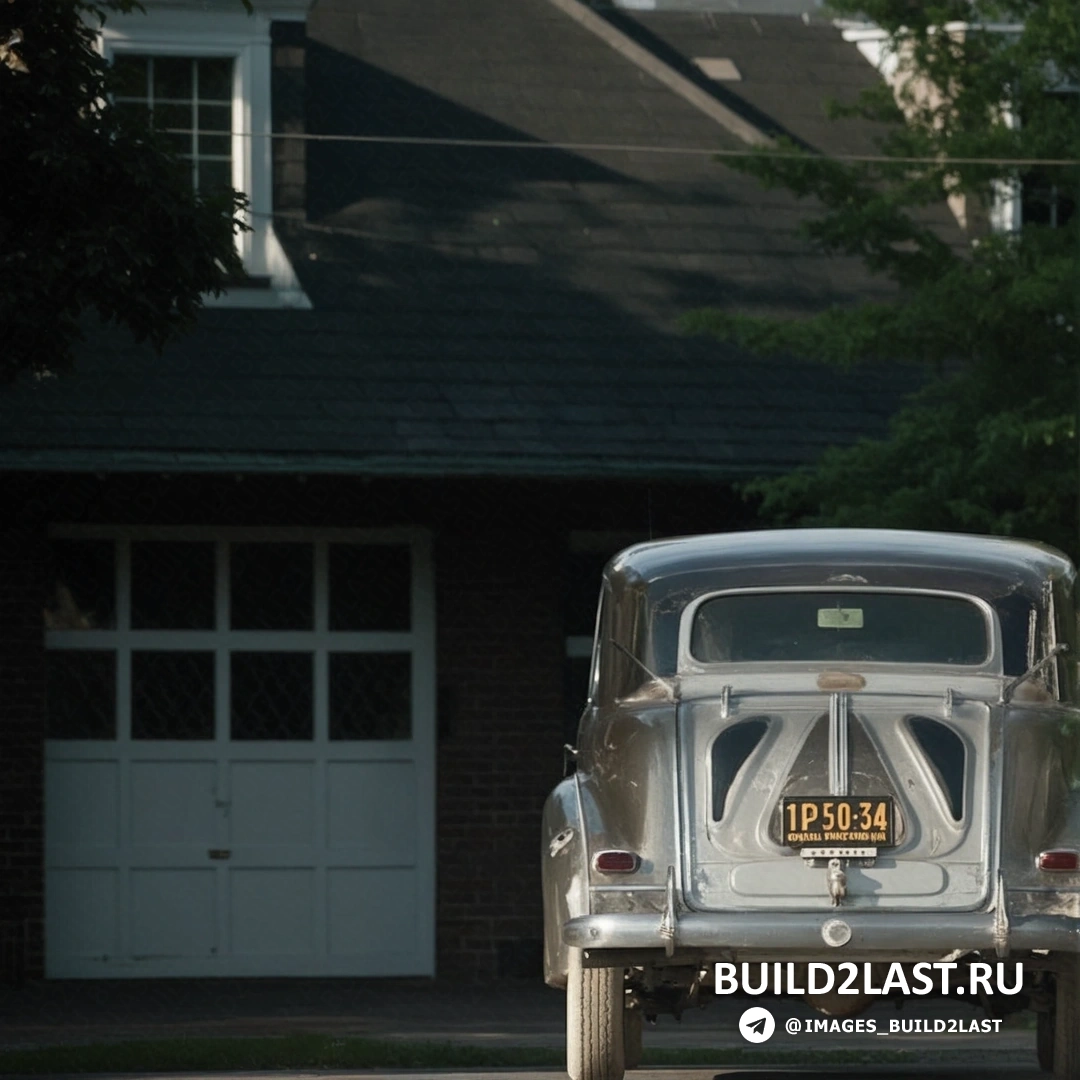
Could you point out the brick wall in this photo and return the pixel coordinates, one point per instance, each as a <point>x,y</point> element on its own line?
<point>500,560</point>
<point>500,673</point>
<point>288,40</point>
<point>22,708</point>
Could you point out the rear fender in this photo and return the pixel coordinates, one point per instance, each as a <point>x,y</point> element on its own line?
<point>564,863</point>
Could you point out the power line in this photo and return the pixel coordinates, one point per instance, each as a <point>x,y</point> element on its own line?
<point>624,148</point>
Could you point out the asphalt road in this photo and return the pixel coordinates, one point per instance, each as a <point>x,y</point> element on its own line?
<point>499,1016</point>
<point>928,1072</point>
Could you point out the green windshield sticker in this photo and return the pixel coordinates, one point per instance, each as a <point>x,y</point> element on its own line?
<point>840,618</point>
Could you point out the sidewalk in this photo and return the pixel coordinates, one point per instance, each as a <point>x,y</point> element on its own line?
<point>502,1013</point>
<point>519,1013</point>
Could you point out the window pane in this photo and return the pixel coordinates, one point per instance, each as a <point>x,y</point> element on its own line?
<point>272,695</point>
<point>172,77</point>
<point>1046,201</point>
<point>172,585</point>
<point>82,585</point>
<point>271,586</point>
<point>172,695</point>
<point>215,118</point>
<point>215,80</point>
<point>219,145</point>
<point>80,694</point>
<point>136,114</point>
<point>370,586</point>
<point>214,175</point>
<point>175,116</point>
<point>196,126</point>
<point>180,145</point>
<point>370,696</point>
<point>130,75</point>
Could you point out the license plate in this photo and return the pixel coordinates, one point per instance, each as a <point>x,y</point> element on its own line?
<point>832,821</point>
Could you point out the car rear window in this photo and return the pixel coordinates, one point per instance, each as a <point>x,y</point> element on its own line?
<point>904,628</point>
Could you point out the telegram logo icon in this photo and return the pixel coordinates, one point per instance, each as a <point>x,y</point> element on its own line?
<point>757,1025</point>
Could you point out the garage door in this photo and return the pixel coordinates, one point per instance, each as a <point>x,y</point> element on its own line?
<point>240,756</point>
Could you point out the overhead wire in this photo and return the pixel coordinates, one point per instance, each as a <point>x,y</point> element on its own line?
<point>623,148</point>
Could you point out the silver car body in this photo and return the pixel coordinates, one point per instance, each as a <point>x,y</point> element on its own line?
<point>720,884</point>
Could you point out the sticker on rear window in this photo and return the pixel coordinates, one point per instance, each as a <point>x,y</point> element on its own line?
<point>840,618</point>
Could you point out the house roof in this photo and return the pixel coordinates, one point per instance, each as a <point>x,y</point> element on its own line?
<point>787,68</point>
<point>509,311</point>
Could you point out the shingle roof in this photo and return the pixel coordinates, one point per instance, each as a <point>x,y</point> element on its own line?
<point>494,311</point>
<point>255,391</point>
<point>789,68</point>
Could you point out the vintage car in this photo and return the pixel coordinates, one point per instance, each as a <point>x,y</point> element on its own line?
<point>819,746</point>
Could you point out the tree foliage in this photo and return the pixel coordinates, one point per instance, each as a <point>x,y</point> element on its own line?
<point>990,443</point>
<point>95,213</point>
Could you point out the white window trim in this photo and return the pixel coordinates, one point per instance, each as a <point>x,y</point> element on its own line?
<point>227,31</point>
<point>419,641</point>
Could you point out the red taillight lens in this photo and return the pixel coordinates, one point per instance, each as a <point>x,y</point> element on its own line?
<point>1058,860</point>
<point>617,862</point>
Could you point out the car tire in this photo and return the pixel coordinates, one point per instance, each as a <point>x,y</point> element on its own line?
<point>1044,1040</point>
<point>1066,1021</point>
<point>633,1030</point>
<point>594,1022</point>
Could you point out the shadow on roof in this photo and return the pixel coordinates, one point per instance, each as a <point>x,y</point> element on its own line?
<point>347,96</point>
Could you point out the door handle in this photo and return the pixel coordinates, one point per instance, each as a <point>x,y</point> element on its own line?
<point>219,853</point>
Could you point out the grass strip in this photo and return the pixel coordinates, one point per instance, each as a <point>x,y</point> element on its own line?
<point>213,1054</point>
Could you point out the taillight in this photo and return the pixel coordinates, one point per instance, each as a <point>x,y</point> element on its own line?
<point>616,862</point>
<point>1058,860</point>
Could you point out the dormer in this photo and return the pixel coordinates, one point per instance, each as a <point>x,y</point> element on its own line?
<point>203,68</point>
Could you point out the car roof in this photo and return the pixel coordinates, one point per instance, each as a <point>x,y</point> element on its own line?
<point>984,565</point>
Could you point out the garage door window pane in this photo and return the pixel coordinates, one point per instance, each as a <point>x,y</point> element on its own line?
<point>272,695</point>
<point>370,586</point>
<point>370,696</point>
<point>271,586</point>
<point>172,585</point>
<point>82,585</point>
<point>172,695</point>
<point>80,694</point>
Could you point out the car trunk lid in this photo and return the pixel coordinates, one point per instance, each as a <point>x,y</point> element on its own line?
<point>766,775</point>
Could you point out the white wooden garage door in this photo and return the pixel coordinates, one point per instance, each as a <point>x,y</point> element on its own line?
<point>240,756</point>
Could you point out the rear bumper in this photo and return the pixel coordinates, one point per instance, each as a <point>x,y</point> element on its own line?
<point>803,932</point>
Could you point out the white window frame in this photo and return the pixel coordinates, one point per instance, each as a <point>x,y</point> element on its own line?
<point>221,28</point>
<point>418,641</point>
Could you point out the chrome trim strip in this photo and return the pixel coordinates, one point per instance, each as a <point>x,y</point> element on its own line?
<point>1001,918</point>
<point>725,702</point>
<point>626,888</point>
<point>669,922</point>
<point>839,709</point>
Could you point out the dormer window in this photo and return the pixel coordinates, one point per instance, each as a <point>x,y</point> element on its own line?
<point>190,98</point>
<point>1044,201</point>
<point>204,78</point>
<point>1038,197</point>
